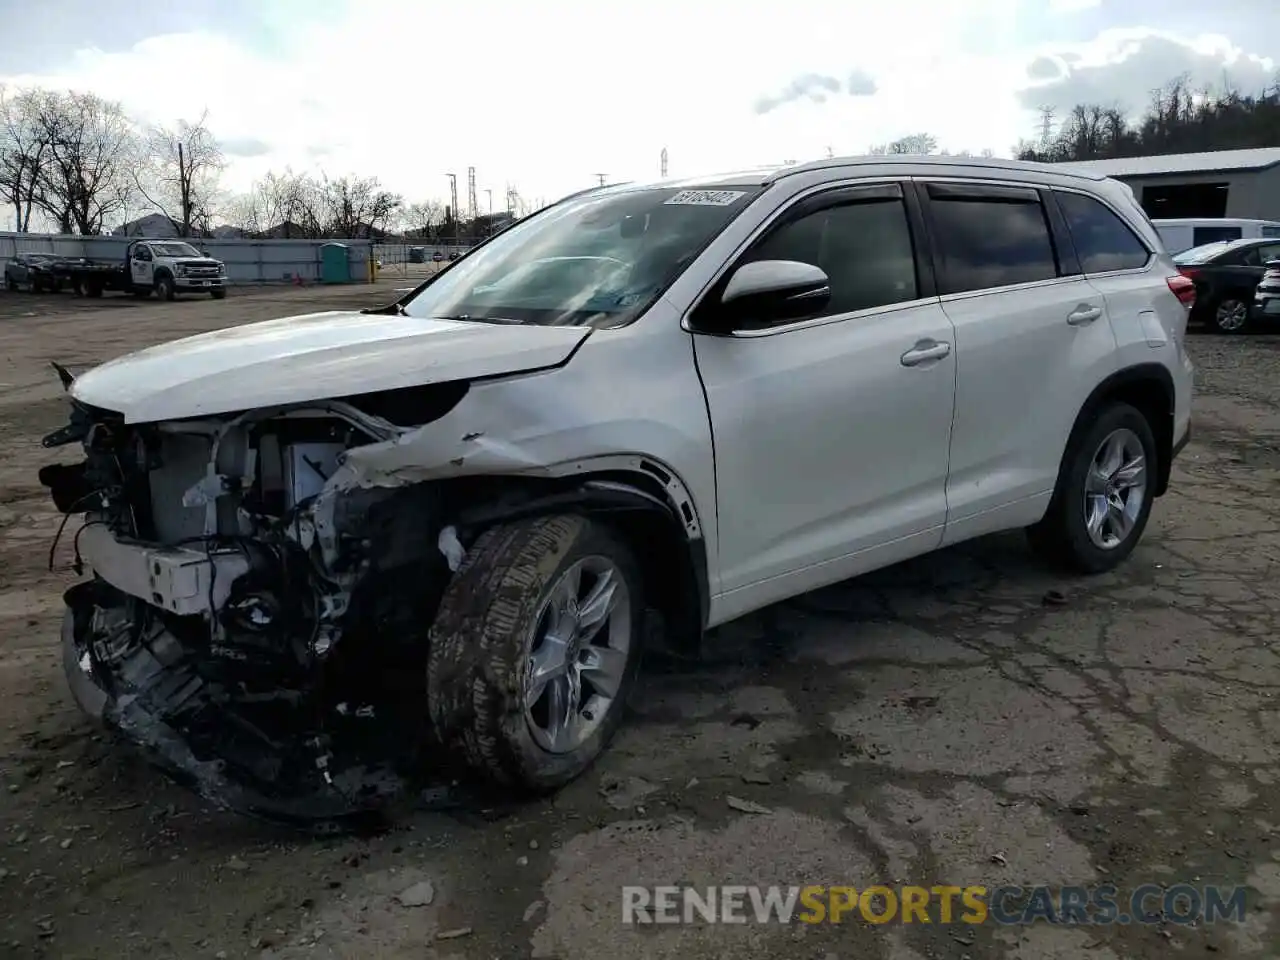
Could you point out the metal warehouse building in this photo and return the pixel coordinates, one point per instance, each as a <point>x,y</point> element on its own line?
<point>1223,183</point>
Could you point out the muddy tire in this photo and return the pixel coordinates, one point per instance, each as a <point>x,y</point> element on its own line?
<point>1104,494</point>
<point>165,289</point>
<point>218,294</point>
<point>497,620</point>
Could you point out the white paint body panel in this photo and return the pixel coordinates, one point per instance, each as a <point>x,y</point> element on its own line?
<point>807,454</point>
<point>826,445</point>
<point>313,357</point>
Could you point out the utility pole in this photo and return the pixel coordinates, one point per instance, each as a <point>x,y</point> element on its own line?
<point>663,163</point>
<point>600,177</point>
<point>453,196</point>
<point>1046,130</point>
<point>471,195</point>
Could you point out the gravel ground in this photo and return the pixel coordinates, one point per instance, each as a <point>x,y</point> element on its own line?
<point>967,718</point>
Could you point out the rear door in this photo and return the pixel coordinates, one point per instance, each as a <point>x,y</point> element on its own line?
<point>1032,341</point>
<point>1121,265</point>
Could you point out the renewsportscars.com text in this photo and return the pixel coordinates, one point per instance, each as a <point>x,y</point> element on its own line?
<point>1007,905</point>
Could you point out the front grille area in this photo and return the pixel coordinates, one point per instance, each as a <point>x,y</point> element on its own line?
<point>185,459</point>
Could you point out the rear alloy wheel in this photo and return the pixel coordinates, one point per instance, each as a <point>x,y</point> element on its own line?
<point>1103,499</point>
<point>1231,315</point>
<point>534,650</point>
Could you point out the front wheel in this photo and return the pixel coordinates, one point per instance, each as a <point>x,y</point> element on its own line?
<point>534,649</point>
<point>218,294</point>
<point>1230,315</point>
<point>165,289</point>
<point>1104,494</point>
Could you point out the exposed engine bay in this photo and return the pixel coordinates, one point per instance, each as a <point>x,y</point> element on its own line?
<point>257,610</point>
<point>262,638</point>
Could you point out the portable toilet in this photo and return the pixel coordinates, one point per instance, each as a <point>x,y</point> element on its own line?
<point>334,265</point>
<point>417,254</point>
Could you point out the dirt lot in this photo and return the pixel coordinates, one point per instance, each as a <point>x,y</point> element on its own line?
<point>967,718</point>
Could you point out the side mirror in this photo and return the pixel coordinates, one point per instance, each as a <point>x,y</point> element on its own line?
<point>770,291</point>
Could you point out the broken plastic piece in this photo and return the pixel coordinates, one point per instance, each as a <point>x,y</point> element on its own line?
<point>451,547</point>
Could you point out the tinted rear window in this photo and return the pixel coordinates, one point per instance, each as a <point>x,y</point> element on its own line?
<point>1202,254</point>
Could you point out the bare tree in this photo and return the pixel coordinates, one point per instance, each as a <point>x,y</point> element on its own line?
<point>421,220</point>
<point>24,154</point>
<point>357,206</point>
<point>92,150</point>
<point>180,177</point>
<point>915,143</point>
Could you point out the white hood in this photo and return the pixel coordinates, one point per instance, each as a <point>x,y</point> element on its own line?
<point>317,356</point>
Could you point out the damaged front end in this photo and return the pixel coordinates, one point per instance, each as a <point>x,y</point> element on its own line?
<point>256,629</point>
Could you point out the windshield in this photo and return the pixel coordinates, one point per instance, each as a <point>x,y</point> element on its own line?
<point>174,250</point>
<point>596,260</point>
<point>1202,253</point>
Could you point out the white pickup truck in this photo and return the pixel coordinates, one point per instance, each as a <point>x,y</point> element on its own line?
<point>165,267</point>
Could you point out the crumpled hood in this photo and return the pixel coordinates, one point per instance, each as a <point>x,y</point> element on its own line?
<point>316,356</point>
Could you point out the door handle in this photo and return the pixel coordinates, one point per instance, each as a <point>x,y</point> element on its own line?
<point>924,351</point>
<point>1084,313</point>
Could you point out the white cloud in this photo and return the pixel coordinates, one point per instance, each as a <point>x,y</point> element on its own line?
<point>545,95</point>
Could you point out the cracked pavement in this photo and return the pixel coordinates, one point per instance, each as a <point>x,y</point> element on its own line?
<point>965,718</point>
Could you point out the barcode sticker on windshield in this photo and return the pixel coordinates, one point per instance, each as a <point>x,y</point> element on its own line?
<point>706,198</point>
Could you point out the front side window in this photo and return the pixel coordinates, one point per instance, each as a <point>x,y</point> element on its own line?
<point>988,243</point>
<point>1103,241</point>
<point>864,248</point>
<point>1268,252</point>
<point>597,260</point>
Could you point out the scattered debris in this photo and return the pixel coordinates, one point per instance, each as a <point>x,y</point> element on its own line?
<point>745,720</point>
<point>757,777</point>
<point>745,806</point>
<point>454,934</point>
<point>522,861</point>
<point>419,895</point>
<point>532,910</point>
<point>238,865</point>
<point>1054,598</point>
<point>65,844</point>
<point>624,793</point>
<point>533,844</point>
<point>1000,859</point>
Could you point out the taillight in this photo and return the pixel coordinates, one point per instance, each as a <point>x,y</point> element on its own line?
<point>1183,289</point>
<point>1188,271</point>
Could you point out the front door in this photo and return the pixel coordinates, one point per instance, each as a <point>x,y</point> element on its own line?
<point>831,432</point>
<point>142,270</point>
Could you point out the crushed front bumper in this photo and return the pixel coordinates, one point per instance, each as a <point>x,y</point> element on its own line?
<point>133,696</point>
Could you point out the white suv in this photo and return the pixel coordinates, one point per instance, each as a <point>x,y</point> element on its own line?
<point>333,553</point>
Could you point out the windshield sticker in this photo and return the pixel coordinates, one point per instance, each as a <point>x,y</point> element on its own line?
<point>707,198</point>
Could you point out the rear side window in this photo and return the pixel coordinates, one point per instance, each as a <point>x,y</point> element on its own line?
<point>989,243</point>
<point>1103,241</point>
<point>864,248</point>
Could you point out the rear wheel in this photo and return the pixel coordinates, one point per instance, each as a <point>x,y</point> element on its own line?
<point>1103,498</point>
<point>534,650</point>
<point>1230,315</point>
<point>165,289</point>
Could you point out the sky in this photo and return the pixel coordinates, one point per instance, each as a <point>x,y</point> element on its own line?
<point>546,96</point>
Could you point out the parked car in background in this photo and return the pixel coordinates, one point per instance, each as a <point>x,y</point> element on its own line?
<point>1226,275</point>
<point>34,270</point>
<point>1183,234</point>
<point>1266,301</point>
